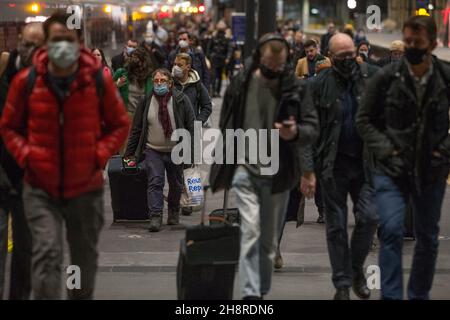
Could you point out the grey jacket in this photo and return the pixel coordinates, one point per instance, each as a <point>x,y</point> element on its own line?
<point>184,119</point>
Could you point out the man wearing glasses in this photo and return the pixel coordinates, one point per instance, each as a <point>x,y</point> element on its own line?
<point>339,163</point>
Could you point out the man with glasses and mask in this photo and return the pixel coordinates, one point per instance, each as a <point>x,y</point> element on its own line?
<point>62,130</point>
<point>32,38</point>
<point>339,162</point>
<point>405,124</point>
<point>263,96</point>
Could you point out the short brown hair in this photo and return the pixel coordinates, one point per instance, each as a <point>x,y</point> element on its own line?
<point>164,72</point>
<point>186,57</point>
<point>60,17</point>
<point>417,23</point>
<point>276,46</point>
<point>310,43</point>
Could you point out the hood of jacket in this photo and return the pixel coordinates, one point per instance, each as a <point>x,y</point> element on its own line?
<point>193,78</point>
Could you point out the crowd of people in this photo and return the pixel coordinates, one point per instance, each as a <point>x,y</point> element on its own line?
<point>349,123</point>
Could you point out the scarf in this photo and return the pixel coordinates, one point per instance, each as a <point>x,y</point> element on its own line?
<point>163,114</point>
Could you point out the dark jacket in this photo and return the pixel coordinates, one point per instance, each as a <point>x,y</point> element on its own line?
<point>198,95</point>
<point>118,62</point>
<point>184,119</point>
<point>157,54</point>
<point>325,90</point>
<point>290,104</point>
<point>385,61</point>
<point>198,64</point>
<point>11,174</point>
<point>324,41</point>
<point>392,119</point>
<point>219,50</point>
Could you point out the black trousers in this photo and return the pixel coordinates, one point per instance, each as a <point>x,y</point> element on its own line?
<point>349,179</point>
<point>20,275</point>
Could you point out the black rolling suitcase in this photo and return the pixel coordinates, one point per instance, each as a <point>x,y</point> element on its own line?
<point>208,259</point>
<point>128,191</point>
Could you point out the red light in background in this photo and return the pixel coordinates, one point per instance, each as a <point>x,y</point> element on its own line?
<point>12,5</point>
<point>201,9</point>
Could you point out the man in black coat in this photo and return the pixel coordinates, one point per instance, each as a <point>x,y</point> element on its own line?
<point>219,53</point>
<point>404,121</point>
<point>119,60</point>
<point>264,96</point>
<point>340,163</point>
<point>31,39</point>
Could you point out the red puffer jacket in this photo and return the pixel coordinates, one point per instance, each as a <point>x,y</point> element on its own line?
<point>63,148</point>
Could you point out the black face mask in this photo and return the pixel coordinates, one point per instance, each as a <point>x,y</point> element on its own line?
<point>415,56</point>
<point>345,67</point>
<point>269,74</point>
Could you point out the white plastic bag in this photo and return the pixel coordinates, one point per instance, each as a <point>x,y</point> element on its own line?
<point>192,195</point>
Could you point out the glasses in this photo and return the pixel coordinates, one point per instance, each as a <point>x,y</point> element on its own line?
<point>345,55</point>
<point>161,81</point>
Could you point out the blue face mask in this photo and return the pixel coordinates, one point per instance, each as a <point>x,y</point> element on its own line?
<point>161,89</point>
<point>130,50</point>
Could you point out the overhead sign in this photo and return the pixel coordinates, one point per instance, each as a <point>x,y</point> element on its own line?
<point>238,27</point>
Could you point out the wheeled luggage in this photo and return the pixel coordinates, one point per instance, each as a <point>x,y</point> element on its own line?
<point>208,259</point>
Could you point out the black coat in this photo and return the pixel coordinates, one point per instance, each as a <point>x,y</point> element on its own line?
<point>290,152</point>
<point>118,62</point>
<point>391,119</point>
<point>200,99</point>
<point>184,119</point>
<point>324,91</point>
<point>219,50</point>
<point>11,174</point>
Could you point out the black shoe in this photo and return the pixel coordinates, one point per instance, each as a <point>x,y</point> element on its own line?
<point>252,298</point>
<point>155,223</point>
<point>173,217</point>
<point>342,294</point>
<point>360,285</point>
<point>320,220</point>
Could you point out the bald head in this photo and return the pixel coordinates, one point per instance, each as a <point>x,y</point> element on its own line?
<point>34,32</point>
<point>341,42</point>
<point>31,38</point>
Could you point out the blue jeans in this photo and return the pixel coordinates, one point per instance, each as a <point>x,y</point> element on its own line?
<point>157,164</point>
<point>261,216</point>
<point>391,201</point>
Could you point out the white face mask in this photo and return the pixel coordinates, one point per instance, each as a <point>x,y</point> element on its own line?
<point>177,72</point>
<point>63,53</point>
<point>183,44</point>
<point>149,39</point>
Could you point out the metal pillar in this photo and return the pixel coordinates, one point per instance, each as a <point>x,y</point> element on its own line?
<point>267,19</point>
<point>249,28</point>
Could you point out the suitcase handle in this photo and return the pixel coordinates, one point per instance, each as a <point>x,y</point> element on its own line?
<point>225,207</point>
<point>132,172</point>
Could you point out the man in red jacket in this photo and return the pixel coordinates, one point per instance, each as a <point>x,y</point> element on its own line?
<point>62,134</point>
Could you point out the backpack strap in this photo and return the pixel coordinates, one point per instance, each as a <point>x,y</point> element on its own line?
<point>31,80</point>
<point>100,86</point>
